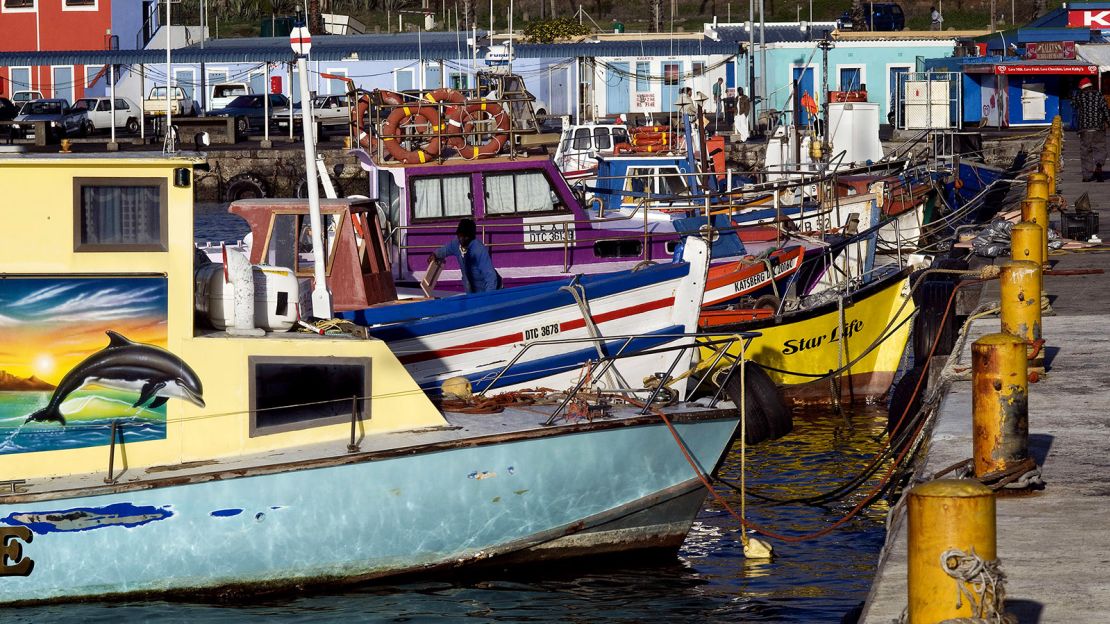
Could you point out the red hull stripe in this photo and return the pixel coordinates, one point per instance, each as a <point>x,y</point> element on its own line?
<point>519,336</point>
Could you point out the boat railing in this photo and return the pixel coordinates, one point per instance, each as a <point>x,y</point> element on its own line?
<point>595,369</point>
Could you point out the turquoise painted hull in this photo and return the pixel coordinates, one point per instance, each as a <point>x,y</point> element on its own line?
<point>560,493</point>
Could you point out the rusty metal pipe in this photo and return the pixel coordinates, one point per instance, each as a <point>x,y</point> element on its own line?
<point>945,514</point>
<point>999,404</point>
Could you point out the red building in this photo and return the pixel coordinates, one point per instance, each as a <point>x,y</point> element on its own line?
<point>62,25</point>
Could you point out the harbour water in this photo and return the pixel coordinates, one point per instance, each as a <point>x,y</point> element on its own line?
<point>813,580</point>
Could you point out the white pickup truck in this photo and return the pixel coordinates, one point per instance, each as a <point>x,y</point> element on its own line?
<point>225,92</point>
<point>180,102</point>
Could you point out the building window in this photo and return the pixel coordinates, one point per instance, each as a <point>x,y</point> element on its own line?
<point>518,192</point>
<point>697,68</point>
<point>19,4</point>
<point>292,393</point>
<point>850,79</point>
<point>72,3</point>
<point>643,76</point>
<point>671,73</point>
<point>119,214</point>
<point>447,196</point>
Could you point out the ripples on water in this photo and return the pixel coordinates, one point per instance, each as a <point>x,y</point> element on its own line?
<point>710,580</point>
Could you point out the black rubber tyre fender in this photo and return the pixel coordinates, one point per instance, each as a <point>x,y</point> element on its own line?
<point>767,416</point>
<point>901,397</point>
<point>247,185</point>
<point>302,188</point>
<point>767,301</point>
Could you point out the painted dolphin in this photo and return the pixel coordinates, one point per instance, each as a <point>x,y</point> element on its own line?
<point>151,371</point>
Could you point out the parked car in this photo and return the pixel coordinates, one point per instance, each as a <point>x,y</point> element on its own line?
<point>249,110</point>
<point>180,102</point>
<point>99,112</point>
<point>224,93</point>
<point>62,120</point>
<point>19,98</point>
<point>8,111</point>
<point>882,16</point>
<point>328,110</point>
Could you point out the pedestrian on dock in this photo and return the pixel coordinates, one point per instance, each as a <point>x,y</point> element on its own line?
<point>1092,117</point>
<point>740,121</point>
<point>478,274</point>
<point>718,103</point>
<point>935,19</point>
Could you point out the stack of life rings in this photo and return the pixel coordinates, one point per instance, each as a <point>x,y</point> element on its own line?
<point>418,132</point>
<point>647,139</point>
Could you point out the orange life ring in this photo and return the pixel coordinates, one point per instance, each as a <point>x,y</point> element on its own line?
<point>391,134</point>
<point>641,137</point>
<point>363,102</point>
<point>641,129</point>
<point>491,147</point>
<point>451,115</point>
<point>650,148</point>
<point>621,148</point>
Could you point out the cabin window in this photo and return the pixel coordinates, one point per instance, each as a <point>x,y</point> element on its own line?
<point>626,248</point>
<point>518,192</point>
<point>290,242</point>
<point>602,139</point>
<point>291,393</point>
<point>439,197</point>
<point>582,139</point>
<point>119,214</point>
<point>672,182</point>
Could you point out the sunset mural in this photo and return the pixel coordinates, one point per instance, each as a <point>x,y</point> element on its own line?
<point>48,325</point>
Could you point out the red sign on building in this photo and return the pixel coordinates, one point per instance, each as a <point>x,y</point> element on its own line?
<point>1050,50</point>
<point>1089,18</point>
<point>1046,69</point>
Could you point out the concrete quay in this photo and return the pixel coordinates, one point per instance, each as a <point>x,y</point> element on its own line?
<point>1053,545</point>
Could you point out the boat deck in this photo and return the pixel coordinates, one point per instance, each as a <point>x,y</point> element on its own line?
<point>513,423</point>
<point>1052,544</point>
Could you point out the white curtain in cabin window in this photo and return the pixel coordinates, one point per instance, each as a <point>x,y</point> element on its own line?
<point>120,215</point>
<point>456,197</point>
<point>499,194</point>
<point>441,197</point>
<point>533,193</point>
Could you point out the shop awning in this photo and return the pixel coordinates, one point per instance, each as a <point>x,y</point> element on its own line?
<point>1095,53</point>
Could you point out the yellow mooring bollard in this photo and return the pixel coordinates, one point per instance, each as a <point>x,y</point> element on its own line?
<point>1000,407</point>
<point>1037,186</point>
<point>1048,168</point>
<point>1020,282</point>
<point>1036,211</point>
<point>951,528</point>
<point>1026,243</point>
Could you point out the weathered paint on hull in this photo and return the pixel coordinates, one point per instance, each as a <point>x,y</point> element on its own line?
<point>371,519</point>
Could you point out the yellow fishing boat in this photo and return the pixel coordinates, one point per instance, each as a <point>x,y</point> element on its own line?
<point>853,341</point>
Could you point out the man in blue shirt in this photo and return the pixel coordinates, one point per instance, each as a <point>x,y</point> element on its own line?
<point>478,274</point>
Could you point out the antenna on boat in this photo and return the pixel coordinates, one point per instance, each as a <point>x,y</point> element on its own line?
<point>168,146</point>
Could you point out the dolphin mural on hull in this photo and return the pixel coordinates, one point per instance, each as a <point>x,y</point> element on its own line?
<point>155,373</point>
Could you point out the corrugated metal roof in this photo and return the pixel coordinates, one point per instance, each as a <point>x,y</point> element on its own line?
<point>397,47</point>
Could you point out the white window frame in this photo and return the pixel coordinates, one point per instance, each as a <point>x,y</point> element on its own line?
<point>30,79</point>
<point>175,81</point>
<point>31,9</point>
<point>95,6</point>
<point>862,74</point>
<point>413,78</point>
<point>72,82</point>
<point>790,67</point>
<point>333,84</point>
